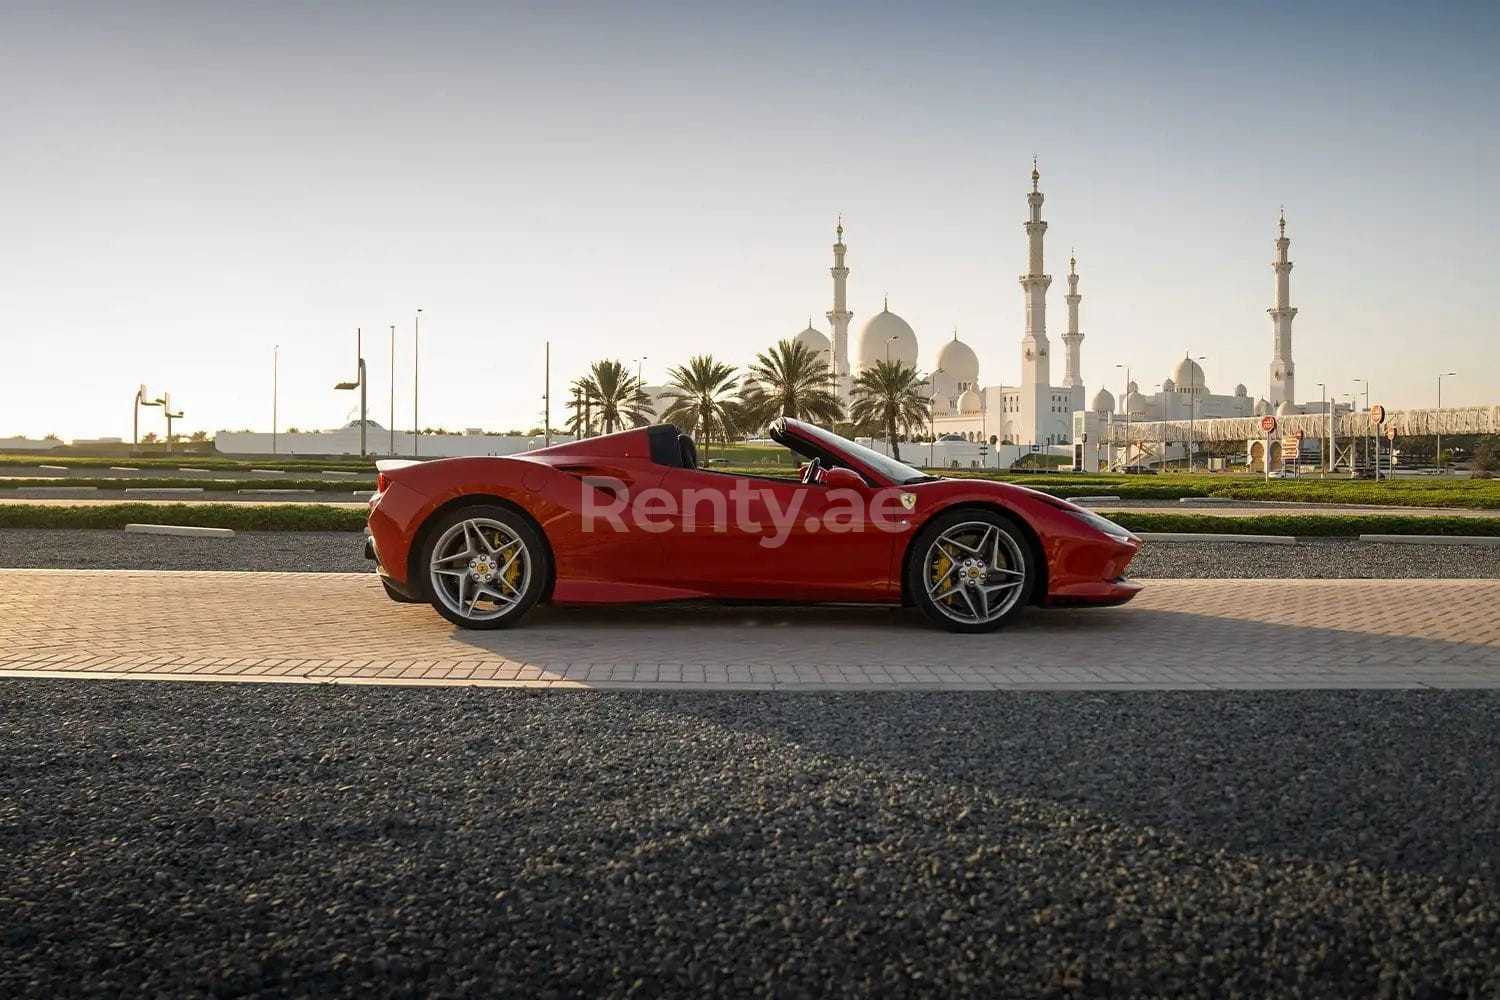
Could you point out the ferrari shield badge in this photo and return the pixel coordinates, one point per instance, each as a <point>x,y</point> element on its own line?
<point>909,500</point>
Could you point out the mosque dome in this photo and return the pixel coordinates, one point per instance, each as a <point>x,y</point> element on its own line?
<point>1240,390</point>
<point>1169,386</point>
<point>959,361</point>
<point>1133,403</point>
<point>942,406</point>
<point>887,335</point>
<point>1132,387</point>
<point>1262,408</point>
<point>1104,402</point>
<point>813,339</point>
<point>1189,374</point>
<point>969,401</point>
<point>1286,409</point>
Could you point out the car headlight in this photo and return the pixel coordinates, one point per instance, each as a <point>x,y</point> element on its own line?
<point>1103,524</point>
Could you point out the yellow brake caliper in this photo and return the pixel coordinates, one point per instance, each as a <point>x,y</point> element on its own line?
<point>940,567</point>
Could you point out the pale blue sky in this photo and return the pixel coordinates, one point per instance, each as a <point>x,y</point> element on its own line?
<point>185,185</point>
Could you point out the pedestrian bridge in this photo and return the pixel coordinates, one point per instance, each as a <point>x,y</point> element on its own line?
<point>1346,425</point>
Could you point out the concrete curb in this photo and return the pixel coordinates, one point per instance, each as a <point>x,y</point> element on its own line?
<point>282,492</point>
<point>54,468</point>
<point>336,472</point>
<point>162,490</point>
<point>1485,540</point>
<point>178,529</point>
<point>193,470</point>
<point>123,468</point>
<point>1083,500</point>
<point>56,491</point>
<point>269,472</point>
<point>1189,536</point>
<point>1225,500</point>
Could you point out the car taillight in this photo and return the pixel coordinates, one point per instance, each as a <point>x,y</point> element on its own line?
<point>381,482</point>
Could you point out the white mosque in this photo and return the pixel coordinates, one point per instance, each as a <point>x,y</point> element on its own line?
<point>1034,412</point>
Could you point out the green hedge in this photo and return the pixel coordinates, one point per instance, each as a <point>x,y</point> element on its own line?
<point>173,483</point>
<point>241,517</point>
<point>1308,525</point>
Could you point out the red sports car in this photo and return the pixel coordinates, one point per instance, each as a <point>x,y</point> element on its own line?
<point>631,517</point>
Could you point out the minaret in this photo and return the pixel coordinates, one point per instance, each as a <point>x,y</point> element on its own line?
<point>1283,372</point>
<point>839,316</point>
<point>1072,339</point>
<point>1034,363</point>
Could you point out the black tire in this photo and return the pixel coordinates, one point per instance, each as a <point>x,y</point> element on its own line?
<point>397,596</point>
<point>441,589</point>
<point>1013,593</point>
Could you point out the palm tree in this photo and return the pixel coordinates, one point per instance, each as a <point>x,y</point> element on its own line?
<point>704,399</point>
<point>611,395</point>
<point>791,380</point>
<point>888,396</point>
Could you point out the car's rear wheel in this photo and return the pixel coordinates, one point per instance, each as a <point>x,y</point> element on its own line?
<point>485,565</point>
<point>971,571</point>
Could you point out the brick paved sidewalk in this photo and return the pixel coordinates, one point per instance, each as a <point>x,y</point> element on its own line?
<point>324,627</point>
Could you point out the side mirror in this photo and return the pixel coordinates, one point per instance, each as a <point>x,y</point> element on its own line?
<point>844,479</point>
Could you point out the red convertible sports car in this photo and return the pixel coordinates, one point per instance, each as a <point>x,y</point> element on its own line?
<point>631,517</point>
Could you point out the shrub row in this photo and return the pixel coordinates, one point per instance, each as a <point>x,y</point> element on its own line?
<point>178,482</point>
<point>1309,525</point>
<point>241,517</point>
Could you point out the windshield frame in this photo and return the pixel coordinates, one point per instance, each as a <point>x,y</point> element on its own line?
<point>866,461</point>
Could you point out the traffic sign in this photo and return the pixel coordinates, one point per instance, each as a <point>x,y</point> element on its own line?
<point>1377,415</point>
<point>1390,433</point>
<point>1268,423</point>
<point>1299,435</point>
<point>1289,447</point>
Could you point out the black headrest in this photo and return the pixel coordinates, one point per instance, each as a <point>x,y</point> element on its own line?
<point>687,451</point>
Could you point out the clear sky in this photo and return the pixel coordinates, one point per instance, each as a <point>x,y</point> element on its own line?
<point>183,186</point>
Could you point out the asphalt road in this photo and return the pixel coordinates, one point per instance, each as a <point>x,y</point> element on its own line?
<point>190,839</point>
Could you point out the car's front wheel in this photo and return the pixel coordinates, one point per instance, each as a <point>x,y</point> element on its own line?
<point>971,571</point>
<point>486,566</point>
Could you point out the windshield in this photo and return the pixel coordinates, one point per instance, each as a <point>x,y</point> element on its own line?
<point>896,472</point>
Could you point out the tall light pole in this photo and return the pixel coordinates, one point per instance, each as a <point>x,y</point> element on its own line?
<point>1367,407</point>
<point>932,414</point>
<point>888,342</point>
<point>1125,398</point>
<point>393,390</point>
<point>165,402</point>
<point>359,384</point>
<point>1161,388</point>
<point>1327,437</point>
<point>1193,407</point>
<point>416,357</point>
<point>140,401</point>
<point>639,381</point>
<point>275,390</point>
<point>547,393</point>
<point>1438,423</point>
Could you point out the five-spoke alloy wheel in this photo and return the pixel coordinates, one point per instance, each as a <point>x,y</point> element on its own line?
<point>971,571</point>
<point>485,566</point>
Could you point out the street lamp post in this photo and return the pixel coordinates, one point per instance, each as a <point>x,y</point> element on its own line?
<point>1327,438</point>
<point>888,342</point>
<point>1367,408</point>
<point>1193,408</point>
<point>140,401</point>
<point>1438,422</point>
<point>165,402</point>
<point>1125,399</point>
<point>932,415</point>
<point>416,357</point>
<point>275,390</point>
<point>359,384</point>
<point>393,390</point>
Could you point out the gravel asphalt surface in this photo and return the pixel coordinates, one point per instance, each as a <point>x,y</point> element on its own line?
<point>187,839</point>
<point>337,552</point>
